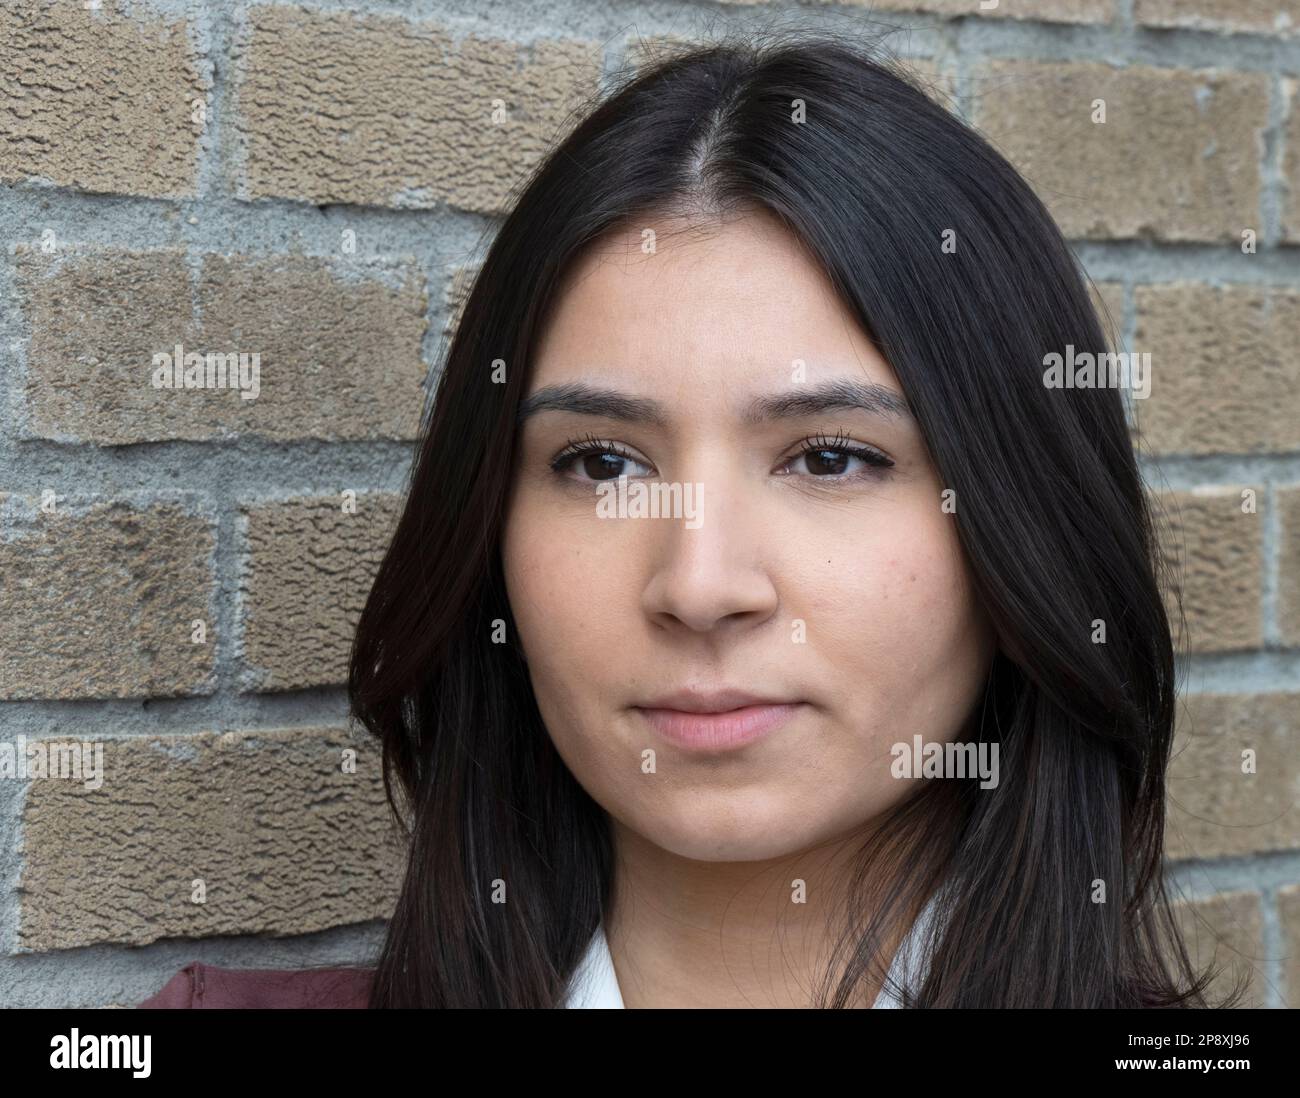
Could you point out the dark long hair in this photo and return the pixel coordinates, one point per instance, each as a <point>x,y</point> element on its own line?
<point>1050,511</point>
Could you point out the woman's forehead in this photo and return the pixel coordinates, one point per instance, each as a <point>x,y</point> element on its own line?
<point>743,305</point>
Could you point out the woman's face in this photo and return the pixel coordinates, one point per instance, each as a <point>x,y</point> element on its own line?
<point>811,582</point>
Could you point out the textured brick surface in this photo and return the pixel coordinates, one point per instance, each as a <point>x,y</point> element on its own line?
<point>97,100</point>
<point>284,841</point>
<point>306,577</point>
<point>646,49</point>
<point>338,346</point>
<point>1051,11</point>
<point>1226,932</point>
<point>1289,566</point>
<point>1176,159</point>
<point>935,78</point>
<point>1108,300</point>
<point>1214,808</point>
<point>98,601</point>
<point>336,107</point>
<point>1291,163</point>
<point>1217,551</point>
<point>456,293</point>
<point>1225,377</point>
<point>413,125</point>
<point>1289,915</point>
<point>1270,17</point>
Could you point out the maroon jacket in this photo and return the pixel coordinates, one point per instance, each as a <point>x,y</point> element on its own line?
<point>199,985</point>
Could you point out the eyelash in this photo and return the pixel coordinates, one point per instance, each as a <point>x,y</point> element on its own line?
<point>876,462</point>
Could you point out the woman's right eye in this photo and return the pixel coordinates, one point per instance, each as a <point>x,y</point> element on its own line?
<point>597,462</point>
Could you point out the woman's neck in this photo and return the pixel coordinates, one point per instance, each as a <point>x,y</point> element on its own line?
<point>689,933</point>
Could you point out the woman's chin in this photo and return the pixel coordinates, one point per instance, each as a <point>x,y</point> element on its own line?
<point>714,829</point>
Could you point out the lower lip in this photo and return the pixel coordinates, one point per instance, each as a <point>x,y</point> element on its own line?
<point>718,731</point>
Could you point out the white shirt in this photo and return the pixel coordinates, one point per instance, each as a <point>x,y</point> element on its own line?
<point>595,984</point>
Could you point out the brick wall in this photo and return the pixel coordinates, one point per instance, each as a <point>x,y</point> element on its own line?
<point>179,577</point>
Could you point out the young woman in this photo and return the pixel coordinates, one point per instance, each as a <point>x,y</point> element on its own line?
<point>742,494</point>
<point>780,287</point>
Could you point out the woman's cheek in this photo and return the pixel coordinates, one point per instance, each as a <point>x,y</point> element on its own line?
<point>563,588</point>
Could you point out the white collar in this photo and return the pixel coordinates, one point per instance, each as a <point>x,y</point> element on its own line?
<point>595,983</point>
<point>910,963</point>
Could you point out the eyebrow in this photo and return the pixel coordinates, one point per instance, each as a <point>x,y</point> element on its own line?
<point>842,393</point>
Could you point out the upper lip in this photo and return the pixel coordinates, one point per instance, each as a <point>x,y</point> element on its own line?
<point>710,701</point>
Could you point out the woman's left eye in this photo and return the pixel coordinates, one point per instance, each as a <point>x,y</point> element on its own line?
<point>828,460</point>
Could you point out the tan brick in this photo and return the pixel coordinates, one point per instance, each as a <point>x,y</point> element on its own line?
<point>1271,17</point>
<point>1288,583</point>
<point>1224,374</point>
<point>1048,11</point>
<point>346,339</point>
<point>98,100</point>
<point>1215,550</point>
<point>339,346</point>
<point>99,602</point>
<point>1215,809</point>
<point>1176,159</point>
<point>1291,162</point>
<point>1108,300</point>
<point>1225,931</point>
<point>283,840</point>
<point>643,49</point>
<point>1288,907</point>
<point>336,107</point>
<point>932,77</point>
<point>306,577</point>
<point>456,294</point>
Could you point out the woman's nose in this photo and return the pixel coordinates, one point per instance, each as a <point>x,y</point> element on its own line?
<point>714,570</point>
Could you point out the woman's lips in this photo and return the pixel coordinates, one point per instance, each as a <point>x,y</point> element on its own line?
<point>722,731</point>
